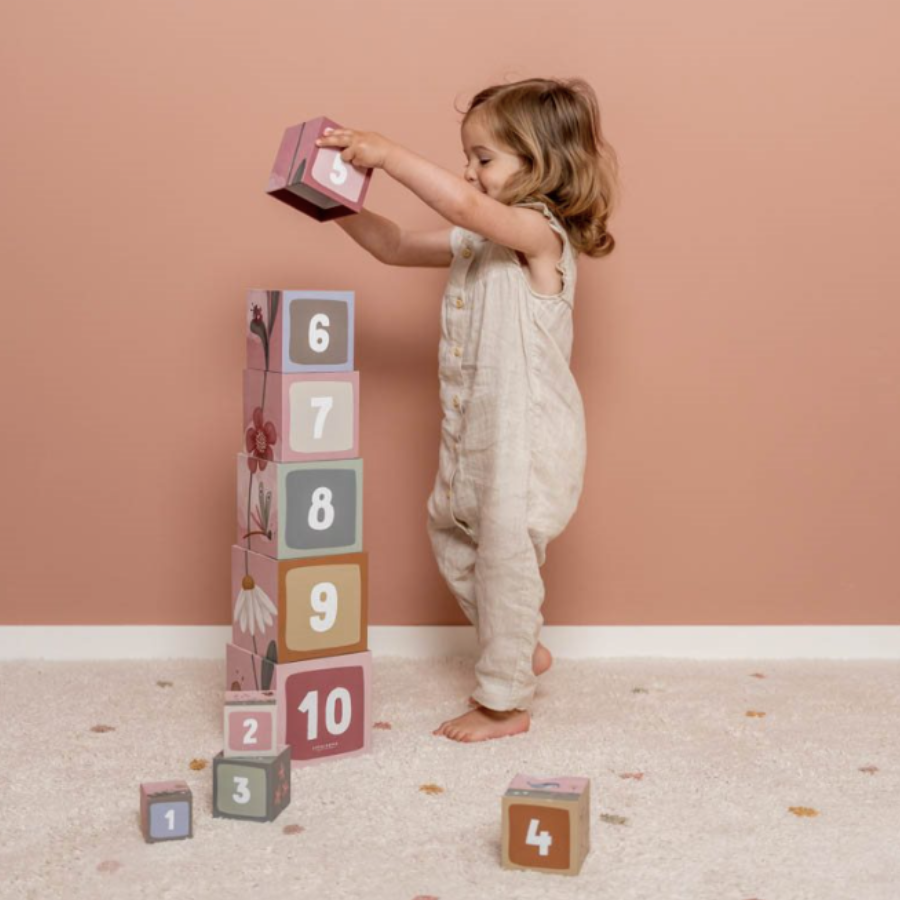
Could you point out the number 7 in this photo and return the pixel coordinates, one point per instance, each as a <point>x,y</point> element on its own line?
<point>323,404</point>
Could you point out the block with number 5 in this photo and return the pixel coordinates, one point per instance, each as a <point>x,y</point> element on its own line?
<point>314,179</point>
<point>293,609</point>
<point>546,824</point>
<point>251,787</point>
<point>324,705</point>
<point>298,417</point>
<point>300,331</point>
<point>294,510</point>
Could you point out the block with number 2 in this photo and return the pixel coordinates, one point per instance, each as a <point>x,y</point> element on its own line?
<point>251,727</point>
<point>546,824</point>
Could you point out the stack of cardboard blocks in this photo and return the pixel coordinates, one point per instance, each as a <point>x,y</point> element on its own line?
<point>299,576</point>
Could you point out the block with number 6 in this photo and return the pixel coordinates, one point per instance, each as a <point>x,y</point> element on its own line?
<point>292,609</point>
<point>324,705</point>
<point>251,787</point>
<point>300,331</point>
<point>166,811</point>
<point>546,824</point>
<point>251,727</point>
<point>314,179</point>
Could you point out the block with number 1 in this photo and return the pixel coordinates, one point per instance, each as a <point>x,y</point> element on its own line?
<point>546,824</point>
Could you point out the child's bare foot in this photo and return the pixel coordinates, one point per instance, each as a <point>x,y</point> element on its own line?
<point>482,724</point>
<point>541,660</point>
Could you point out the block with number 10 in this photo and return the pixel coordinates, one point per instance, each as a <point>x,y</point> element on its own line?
<point>546,824</point>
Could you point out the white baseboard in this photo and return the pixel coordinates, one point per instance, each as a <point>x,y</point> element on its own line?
<point>73,642</point>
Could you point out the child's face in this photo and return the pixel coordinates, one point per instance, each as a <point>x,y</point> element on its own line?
<point>489,164</point>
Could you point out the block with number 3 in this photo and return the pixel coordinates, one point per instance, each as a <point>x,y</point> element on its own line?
<point>546,824</point>
<point>315,180</point>
<point>300,331</point>
<point>297,417</point>
<point>251,787</point>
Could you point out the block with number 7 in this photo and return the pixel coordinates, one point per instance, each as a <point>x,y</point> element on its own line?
<point>546,824</point>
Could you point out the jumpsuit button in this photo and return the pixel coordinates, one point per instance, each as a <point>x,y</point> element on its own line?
<point>457,351</point>
<point>460,303</point>
<point>456,403</point>
<point>467,252</point>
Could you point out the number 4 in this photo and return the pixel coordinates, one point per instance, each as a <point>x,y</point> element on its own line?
<point>542,839</point>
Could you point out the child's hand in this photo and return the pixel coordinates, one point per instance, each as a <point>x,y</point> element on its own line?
<point>366,149</point>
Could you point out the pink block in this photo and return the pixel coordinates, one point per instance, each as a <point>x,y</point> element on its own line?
<point>315,180</point>
<point>550,785</point>
<point>324,706</point>
<point>296,417</point>
<point>250,726</point>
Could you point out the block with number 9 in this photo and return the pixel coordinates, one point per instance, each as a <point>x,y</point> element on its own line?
<point>166,811</point>
<point>546,824</point>
<point>315,180</point>
<point>294,609</point>
<point>251,787</point>
<point>300,331</point>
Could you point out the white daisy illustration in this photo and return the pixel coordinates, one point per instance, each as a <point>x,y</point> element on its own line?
<point>253,611</point>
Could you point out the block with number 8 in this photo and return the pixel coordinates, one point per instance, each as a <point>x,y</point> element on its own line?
<point>324,705</point>
<point>546,824</point>
<point>292,609</point>
<point>295,510</point>
<point>251,787</point>
<point>300,331</point>
<point>314,179</point>
<point>166,811</point>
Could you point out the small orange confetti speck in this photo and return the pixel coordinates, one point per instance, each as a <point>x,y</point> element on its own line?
<point>639,691</point>
<point>803,811</point>
<point>869,770</point>
<point>753,714</point>
<point>384,726</point>
<point>198,765</point>
<point>164,684</point>
<point>102,729</point>
<point>293,829</point>
<point>431,789</point>
<point>757,675</point>
<point>637,776</point>
<point>613,820</point>
<point>109,865</point>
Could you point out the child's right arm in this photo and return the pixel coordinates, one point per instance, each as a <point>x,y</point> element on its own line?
<point>390,244</point>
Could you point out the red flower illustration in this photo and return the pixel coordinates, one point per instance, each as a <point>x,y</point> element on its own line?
<point>261,437</point>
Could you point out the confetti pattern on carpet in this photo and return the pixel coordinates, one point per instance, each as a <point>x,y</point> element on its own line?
<point>710,781</point>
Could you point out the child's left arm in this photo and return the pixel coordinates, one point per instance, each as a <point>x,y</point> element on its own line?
<point>448,194</point>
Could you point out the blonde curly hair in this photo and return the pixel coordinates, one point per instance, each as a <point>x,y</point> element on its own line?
<point>554,126</point>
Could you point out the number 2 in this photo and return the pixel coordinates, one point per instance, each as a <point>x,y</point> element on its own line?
<point>250,734</point>
<point>542,840</point>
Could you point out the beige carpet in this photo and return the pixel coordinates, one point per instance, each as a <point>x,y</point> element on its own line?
<point>727,781</point>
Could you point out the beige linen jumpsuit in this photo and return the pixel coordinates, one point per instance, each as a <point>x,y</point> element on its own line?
<point>512,453</point>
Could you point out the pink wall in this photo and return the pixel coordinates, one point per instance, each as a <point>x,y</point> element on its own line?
<point>738,354</point>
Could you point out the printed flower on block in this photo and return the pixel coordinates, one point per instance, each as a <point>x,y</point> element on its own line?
<point>254,611</point>
<point>261,437</point>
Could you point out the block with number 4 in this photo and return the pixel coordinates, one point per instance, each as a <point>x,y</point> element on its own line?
<point>300,331</point>
<point>298,417</point>
<point>166,811</point>
<point>314,179</point>
<point>546,824</point>
<point>251,727</point>
<point>324,705</point>
<point>292,609</point>
<point>251,787</point>
<point>294,510</point>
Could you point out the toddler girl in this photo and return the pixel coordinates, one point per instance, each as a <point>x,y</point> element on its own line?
<point>538,187</point>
